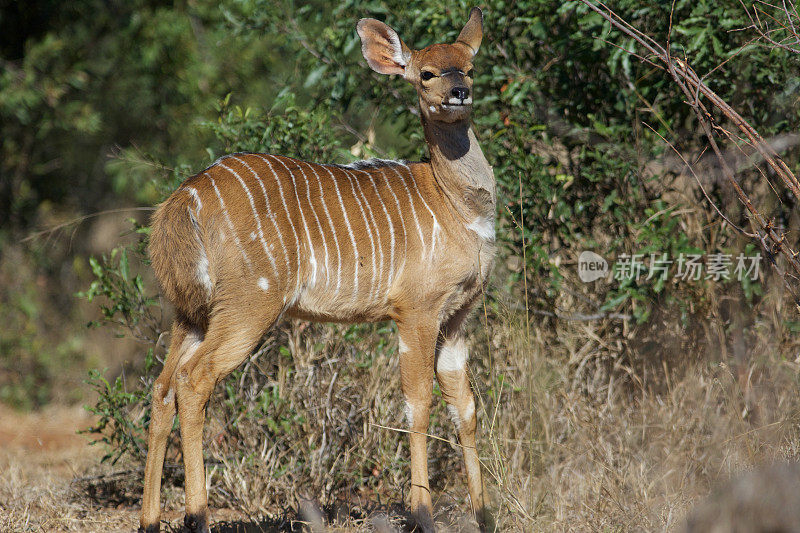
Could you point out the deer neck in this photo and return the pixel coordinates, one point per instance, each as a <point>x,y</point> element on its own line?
<point>460,168</point>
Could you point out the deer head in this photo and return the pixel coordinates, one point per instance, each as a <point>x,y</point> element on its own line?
<point>440,73</point>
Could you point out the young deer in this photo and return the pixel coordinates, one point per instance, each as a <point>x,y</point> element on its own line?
<point>256,237</point>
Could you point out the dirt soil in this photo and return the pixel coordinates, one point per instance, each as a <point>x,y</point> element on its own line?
<point>40,455</point>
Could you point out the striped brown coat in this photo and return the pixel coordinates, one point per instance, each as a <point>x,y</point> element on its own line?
<point>255,237</point>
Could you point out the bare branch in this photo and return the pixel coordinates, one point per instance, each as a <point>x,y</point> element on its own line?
<point>693,87</point>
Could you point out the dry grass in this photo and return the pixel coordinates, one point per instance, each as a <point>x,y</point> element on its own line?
<point>593,434</point>
<point>585,426</point>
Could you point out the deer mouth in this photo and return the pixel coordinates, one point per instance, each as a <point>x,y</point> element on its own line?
<point>456,103</point>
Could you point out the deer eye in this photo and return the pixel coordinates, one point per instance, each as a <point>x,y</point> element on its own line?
<point>470,73</point>
<point>427,75</point>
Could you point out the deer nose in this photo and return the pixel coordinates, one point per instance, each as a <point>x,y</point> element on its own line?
<point>461,93</point>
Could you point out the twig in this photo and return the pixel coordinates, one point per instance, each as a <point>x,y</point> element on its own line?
<point>84,218</point>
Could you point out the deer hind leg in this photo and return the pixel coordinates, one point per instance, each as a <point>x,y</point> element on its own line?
<point>184,340</point>
<point>451,373</point>
<point>231,337</point>
<point>417,348</point>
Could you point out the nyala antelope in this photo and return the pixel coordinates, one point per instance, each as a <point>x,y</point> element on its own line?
<point>256,237</point>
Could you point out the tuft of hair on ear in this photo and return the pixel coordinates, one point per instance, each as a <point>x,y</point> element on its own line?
<point>382,48</point>
<point>472,34</point>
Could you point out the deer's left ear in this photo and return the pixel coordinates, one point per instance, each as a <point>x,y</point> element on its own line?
<point>472,33</point>
<point>382,48</point>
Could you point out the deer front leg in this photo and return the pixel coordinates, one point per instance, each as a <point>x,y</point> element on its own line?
<point>451,373</point>
<point>417,348</point>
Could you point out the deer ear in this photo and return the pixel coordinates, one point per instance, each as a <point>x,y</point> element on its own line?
<point>472,33</point>
<point>382,48</point>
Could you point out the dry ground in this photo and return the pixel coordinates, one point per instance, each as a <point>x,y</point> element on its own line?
<point>40,454</point>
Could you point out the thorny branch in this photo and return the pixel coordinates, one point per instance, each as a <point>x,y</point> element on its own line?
<point>769,238</point>
<point>783,20</point>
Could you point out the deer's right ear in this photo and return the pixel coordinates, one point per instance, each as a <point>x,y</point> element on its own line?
<point>382,48</point>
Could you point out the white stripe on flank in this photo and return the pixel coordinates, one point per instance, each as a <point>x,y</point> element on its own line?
<point>349,231</point>
<point>399,214</point>
<point>255,216</point>
<point>202,266</point>
<point>312,259</point>
<point>319,226</point>
<point>230,225</point>
<point>269,212</point>
<point>391,231</point>
<point>333,230</point>
<point>202,263</point>
<point>377,233</point>
<point>436,227</point>
<point>367,228</point>
<point>413,210</point>
<point>288,216</point>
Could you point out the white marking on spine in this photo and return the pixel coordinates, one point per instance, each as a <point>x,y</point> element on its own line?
<point>333,229</point>
<point>391,230</point>
<point>269,209</point>
<point>252,235</point>
<point>452,356</point>
<point>349,230</point>
<point>413,210</point>
<point>399,213</point>
<point>312,259</point>
<point>436,228</point>
<point>255,216</point>
<point>377,234</point>
<point>369,232</point>
<point>286,209</point>
<point>484,227</point>
<point>319,226</point>
<point>409,409</point>
<point>263,284</point>
<point>230,225</point>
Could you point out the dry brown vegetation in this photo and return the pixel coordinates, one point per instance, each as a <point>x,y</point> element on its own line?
<point>586,425</point>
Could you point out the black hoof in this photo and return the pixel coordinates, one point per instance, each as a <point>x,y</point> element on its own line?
<point>195,523</point>
<point>423,519</point>
<point>486,522</point>
<point>152,528</point>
